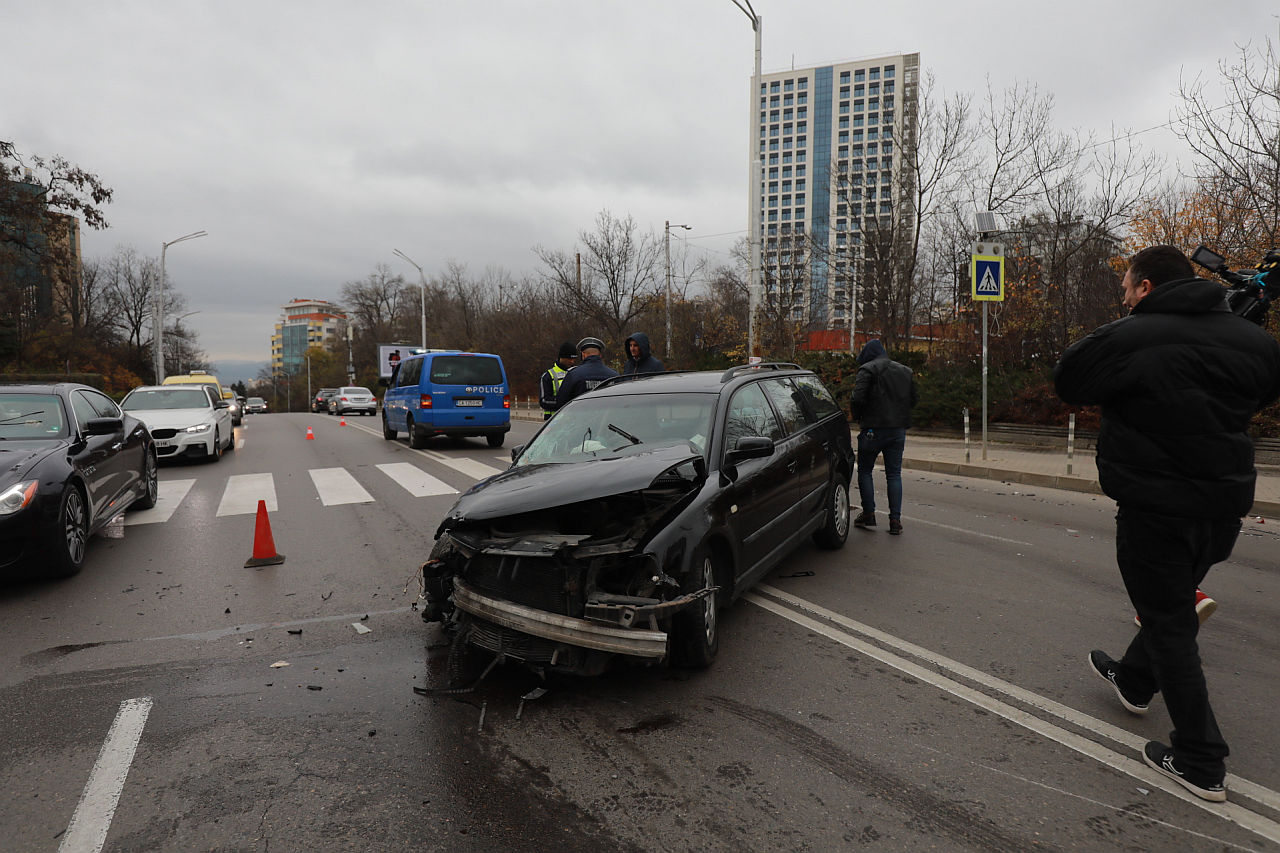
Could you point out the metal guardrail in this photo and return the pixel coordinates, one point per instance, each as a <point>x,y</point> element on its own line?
<point>1266,450</point>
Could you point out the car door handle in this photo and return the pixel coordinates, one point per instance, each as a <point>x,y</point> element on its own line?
<point>117,446</point>
<point>791,466</point>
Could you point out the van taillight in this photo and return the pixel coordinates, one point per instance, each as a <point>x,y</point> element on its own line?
<point>506,401</point>
<point>424,401</point>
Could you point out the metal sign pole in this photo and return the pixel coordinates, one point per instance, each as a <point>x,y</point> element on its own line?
<point>984,380</point>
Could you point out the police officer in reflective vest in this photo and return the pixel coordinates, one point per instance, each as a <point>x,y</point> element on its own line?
<point>553,376</point>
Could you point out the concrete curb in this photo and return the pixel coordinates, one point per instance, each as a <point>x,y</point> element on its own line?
<point>1266,509</point>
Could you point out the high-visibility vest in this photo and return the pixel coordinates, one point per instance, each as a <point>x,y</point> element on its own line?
<point>557,376</point>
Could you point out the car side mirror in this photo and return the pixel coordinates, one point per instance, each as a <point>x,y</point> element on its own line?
<point>750,447</point>
<point>104,426</point>
<point>516,451</point>
<point>222,404</point>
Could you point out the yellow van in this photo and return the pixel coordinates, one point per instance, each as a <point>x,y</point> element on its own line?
<point>197,377</point>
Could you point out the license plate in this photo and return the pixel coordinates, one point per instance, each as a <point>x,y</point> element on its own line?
<point>476,403</point>
<point>164,442</point>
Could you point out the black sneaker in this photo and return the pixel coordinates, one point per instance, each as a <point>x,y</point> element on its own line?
<point>1105,668</point>
<point>895,527</point>
<point>865,519</point>
<point>1160,757</point>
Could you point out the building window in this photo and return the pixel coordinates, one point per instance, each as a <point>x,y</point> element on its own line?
<point>773,201</point>
<point>874,74</point>
<point>773,130</point>
<point>775,86</point>
<point>803,83</point>
<point>844,76</point>
<point>844,91</point>
<point>800,156</point>
<point>857,121</point>
<point>888,72</point>
<point>773,145</point>
<point>789,86</point>
<point>844,108</point>
<point>844,121</point>
<point>873,118</point>
<point>801,141</point>
<point>787,99</point>
<point>786,144</point>
<point>886,207</point>
<point>843,150</point>
<point>799,170</point>
<point>887,147</point>
<point>871,147</point>
<point>802,112</point>
<point>786,215</point>
<point>857,106</point>
<point>786,158</point>
<point>888,116</point>
<point>859,75</point>
<point>888,86</point>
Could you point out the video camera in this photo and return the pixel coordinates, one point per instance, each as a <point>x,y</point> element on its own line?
<point>1250,291</point>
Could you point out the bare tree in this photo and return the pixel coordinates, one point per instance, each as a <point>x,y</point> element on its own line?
<point>1237,142</point>
<point>619,279</point>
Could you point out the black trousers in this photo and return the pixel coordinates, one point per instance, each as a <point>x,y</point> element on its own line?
<point>1163,559</point>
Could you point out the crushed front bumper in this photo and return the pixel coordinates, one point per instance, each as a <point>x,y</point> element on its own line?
<point>561,629</point>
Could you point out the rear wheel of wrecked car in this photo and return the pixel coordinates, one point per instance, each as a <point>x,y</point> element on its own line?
<point>695,631</point>
<point>835,528</point>
<point>387,432</point>
<point>417,435</point>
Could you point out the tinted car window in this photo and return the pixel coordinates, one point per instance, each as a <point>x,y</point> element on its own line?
<point>183,398</point>
<point>465,370</point>
<point>749,415</point>
<point>819,399</point>
<point>25,416</point>
<point>84,410</point>
<point>409,372</point>
<point>102,404</point>
<point>787,401</point>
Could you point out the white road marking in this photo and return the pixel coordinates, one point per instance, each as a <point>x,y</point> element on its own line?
<point>337,486</point>
<point>87,831</point>
<point>244,491</point>
<point>239,444</point>
<point>415,481</point>
<point>171,494</point>
<point>1233,812</point>
<point>463,465</point>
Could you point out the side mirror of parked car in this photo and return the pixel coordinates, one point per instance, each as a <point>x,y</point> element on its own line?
<point>222,404</point>
<point>104,426</point>
<point>750,447</point>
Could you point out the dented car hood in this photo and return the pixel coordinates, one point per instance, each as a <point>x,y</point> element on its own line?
<point>535,487</point>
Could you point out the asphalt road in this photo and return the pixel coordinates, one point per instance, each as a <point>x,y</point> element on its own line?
<point>922,692</point>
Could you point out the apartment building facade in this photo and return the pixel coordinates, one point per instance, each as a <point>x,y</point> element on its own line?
<point>305,323</point>
<point>830,141</point>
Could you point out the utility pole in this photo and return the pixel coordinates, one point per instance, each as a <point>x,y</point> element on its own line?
<point>666,230</point>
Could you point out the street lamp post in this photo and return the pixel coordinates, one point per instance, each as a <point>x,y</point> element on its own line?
<point>753,183</point>
<point>422,280</point>
<point>666,230</point>
<point>158,308</point>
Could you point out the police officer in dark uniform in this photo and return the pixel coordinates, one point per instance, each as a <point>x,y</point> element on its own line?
<point>587,375</point>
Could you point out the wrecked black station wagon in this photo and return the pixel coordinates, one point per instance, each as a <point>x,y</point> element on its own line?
<point>637,512</point>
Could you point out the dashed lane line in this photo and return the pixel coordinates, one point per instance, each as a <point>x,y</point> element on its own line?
<point>87,831</point>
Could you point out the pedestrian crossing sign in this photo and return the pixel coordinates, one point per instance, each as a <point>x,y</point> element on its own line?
<point>986,278</point>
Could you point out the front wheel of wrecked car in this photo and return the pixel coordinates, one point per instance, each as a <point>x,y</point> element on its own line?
<point>695,630</point>
<point>437,581</point>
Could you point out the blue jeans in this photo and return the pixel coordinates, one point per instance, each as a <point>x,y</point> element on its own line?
<point>872,442</point>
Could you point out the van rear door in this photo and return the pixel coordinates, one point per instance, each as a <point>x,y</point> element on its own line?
<point>468,390</point>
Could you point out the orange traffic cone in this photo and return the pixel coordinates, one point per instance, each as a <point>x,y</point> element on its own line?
<point>264,546</point>
<point>311,436</point>
<point>343,421</point>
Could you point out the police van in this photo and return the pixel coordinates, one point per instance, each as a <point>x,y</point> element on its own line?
<point>447,392</point>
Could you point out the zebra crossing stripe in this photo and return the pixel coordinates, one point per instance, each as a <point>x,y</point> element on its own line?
<point>462,465</point>
<point>415,481</point>
<point>337,486</point>
<point>171,494</point>
<point>244,491</point>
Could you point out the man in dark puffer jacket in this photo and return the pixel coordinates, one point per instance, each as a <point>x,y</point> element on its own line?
<point>1178,380</point>
<point>883,393</point>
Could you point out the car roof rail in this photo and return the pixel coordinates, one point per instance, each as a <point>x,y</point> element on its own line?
<point>768,365</point>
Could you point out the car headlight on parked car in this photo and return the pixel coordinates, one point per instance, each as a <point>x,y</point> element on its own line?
<point>17,496</point>
<point>199,428</point>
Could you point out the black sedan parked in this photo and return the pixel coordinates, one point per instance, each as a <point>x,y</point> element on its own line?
<point>639,510</point>
<point>70,462</point>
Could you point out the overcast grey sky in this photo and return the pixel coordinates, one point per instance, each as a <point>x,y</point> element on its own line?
<point>310,139</point>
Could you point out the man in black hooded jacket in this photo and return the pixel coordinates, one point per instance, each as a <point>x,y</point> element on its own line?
<point>884,392</point>
<point>1178,381</point>
<point>639,357</point>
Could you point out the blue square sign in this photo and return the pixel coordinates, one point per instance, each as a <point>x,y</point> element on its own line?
<point>986,278</point>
